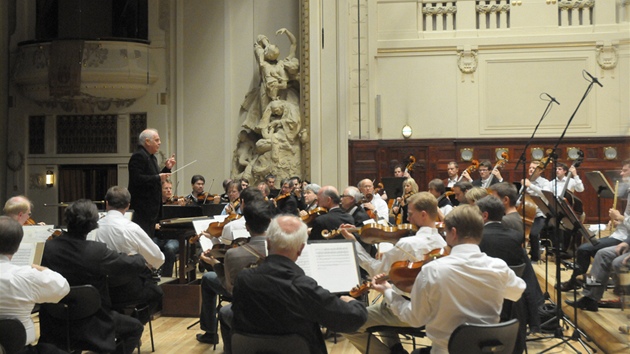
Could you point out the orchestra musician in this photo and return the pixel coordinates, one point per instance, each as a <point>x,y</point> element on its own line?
<point>535,188</point>
<point>410,187</point>
<point>436,187</point>
<point>329,198</point>
<point>466,286</point>
<point>377,204</point>
<point>621,233</point>
<point>286,202</point>
<point>351,204</point>
<point>145,180</point>
<point>198,196</point>
<point>459,189</point>
<point>310,198</point>
<point>298,192</point>
<point>18,208</point>
<point>279,287</point>
<point>507,193</point>
<point>422,213</point>
<point>475,193</point>
<point>575,184</point>
<point>270,179</point>
<point>264,189</point>
<point>124,236</point>
<point>233,191</point>
<point>399,172</point>
<point>452,169</point>
<point>244,183</point>
<point>488,175</point>
<point>257,214</point>
<point>168,246</point>
<point>225,184</point>
<point>245,197</point>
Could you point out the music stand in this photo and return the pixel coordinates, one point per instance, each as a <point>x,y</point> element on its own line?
<point>393,186</point>
<point>603,189</point>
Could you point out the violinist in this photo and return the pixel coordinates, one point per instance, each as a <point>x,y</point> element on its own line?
<point>507,193</point>
<point>298,192</point>
<point>18,208</point>
<point>168,246</point>
<point>410,187</point>
<point>422,213</point>
<point>256,217</point>
<point>452,169</point>
<point>488,175</point>
<point>459,189</point>
<point>466,286</point>
<point>247,196</point>
<point>198,196</point>
<point>535,187</point>
<point>264,189</point>
<point>286,202</point>
<point>329,198</point>
<point>436,187</point>
<point>376,205</point>
<point>310,198</point>
<point>270,179</point>
<point>351,204</point>
<point>233,191</point>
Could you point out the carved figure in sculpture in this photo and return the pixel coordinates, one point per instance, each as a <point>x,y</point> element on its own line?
<point>244,155</point>
<point>280,146</point>
<point>279,79</point>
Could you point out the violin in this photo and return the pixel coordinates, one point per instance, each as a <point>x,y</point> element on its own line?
<point>174,200</point>
<point>30,221</point>
<point>312,214</point>
<point>206,197</point>
<point>375,233</point>
<point>218,251</point>
<point>55,233</point>
<point>215,229</point>
<point>403,273</point>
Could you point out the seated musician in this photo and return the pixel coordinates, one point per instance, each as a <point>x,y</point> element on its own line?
<point>474,194</point>
<point>298,192</point>
<point>452,169</point>
<point>124,236</point>
<point>575,184</point>
<point>399,172</point>
<point>245,197</point>
<point>23,286</point>
<point>436,187</point>
<point>286,202</point>
<point>422,213</point>
<point>310,198</point>
<point>296,302</point>
<point>377,205</point>
<point>507,193</point>
<point>168,246</point>
<point>270,179</point>
<point>535,188</point>
<point>233,190</point>
<point>488,175</point>
<point>410,187</point>
<point>329,198</point>
<point>505,243</point>
<point>587,249</point>
<point>459,189</point>
<point>197,196</point>
<point>264,189</point>
<point>257,215</point>
<point>466,286</point>
<point>351,204</point>
<point>19,208</point>
<point>87,262</point>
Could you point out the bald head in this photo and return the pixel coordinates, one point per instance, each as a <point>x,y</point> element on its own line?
<point>328,197</point>
<point>287,235</point>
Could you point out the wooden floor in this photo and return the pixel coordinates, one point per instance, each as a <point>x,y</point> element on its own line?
<point>171,336</point>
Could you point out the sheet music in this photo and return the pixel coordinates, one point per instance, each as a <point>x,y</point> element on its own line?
<point>332,264</point>
<point>28,253</point>
<point>37,233</point>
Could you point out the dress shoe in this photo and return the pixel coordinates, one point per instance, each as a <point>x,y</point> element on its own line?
<point>208,338</point>
<point>584,303</point>
<point>568,285</point>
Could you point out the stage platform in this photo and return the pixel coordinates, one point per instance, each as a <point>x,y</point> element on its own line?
<point>603,326</point>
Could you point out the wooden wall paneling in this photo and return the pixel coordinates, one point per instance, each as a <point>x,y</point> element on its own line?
<point>432,156</point>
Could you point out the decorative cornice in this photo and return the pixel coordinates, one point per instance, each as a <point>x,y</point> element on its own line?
<point>492,8</point>
<point>438,10</point>
<point>575,4</point>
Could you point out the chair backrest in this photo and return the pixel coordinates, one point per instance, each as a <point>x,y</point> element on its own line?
<point>247,343</point>
<point>518,269</point>
<point>81,302</point>
<point>484,338</point>
<point>12,335</point>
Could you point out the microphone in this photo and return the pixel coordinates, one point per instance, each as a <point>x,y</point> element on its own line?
<point>552,99</point>
<point>593,79</point>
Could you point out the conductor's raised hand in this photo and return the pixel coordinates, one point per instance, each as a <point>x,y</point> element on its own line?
<point>170,162</point>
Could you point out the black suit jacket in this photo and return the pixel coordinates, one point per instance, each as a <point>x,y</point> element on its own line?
<point>287,205</point>
<point>86,262</point>
<point>504,243</point>
<point>329,221</point>
<point>145,187</point>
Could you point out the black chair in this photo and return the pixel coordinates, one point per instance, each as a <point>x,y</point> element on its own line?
<point>12,335</point>
<point>518,269</point>
<point>497,338</point>
<point>140,312</point>
<point>81,302</point>
<point>247,343</point>
<point>408,333</point>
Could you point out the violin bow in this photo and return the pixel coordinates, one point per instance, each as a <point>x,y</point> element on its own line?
<point>415,259</point>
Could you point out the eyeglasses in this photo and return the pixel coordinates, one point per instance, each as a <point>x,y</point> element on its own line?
<point>483,170</point>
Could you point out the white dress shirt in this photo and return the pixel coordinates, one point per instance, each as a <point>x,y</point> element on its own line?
<point>536,187</point>
<point>466,286</point>
<point>575,185</point>
<point>122,235</point>
<point>21,287</point>
<point>381,206</point>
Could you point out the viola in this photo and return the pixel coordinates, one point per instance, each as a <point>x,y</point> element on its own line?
<point>312,214</point>
<point>375,233</point>
<point>403,273</point>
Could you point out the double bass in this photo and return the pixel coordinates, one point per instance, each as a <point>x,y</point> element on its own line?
<point>525,201</point>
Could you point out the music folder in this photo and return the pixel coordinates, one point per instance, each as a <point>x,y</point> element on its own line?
<point>332,263</point>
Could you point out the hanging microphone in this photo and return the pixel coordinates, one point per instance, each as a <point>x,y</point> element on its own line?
<point>552,99</point>
<point>593,78</point>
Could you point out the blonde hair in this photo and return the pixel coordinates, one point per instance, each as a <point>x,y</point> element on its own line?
<point>475,194</point>
<point>424,201</point>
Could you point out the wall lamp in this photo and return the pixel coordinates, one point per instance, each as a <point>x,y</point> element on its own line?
<point>50,178</point>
